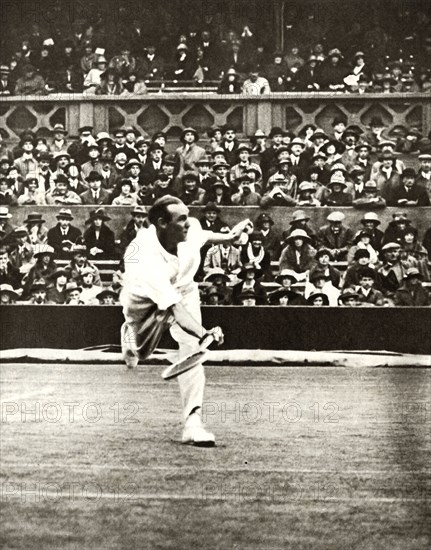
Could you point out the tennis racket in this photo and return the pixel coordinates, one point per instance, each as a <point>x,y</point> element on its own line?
<point>190,361</point>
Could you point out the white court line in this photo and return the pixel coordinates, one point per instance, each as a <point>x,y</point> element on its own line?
<point>52,496</point>
<point>137,467</point>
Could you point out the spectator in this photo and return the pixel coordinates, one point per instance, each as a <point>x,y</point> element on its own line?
<point>211,220</point>
<point>8,295</point>
<point>319,281</point>
<point>73,294</point>
<point>88,60</point>
<point>396,229</point>
<point>285,295</point>
<point>43,268</point>
<point>407,192</point>
<point>218,279</point>
<point>245,196</point>
<point>151,65</point>
<point>6,87</point>
<point>349,298</point>
<point>412,293</point>
<point>9,275</point>
<point>279,193</point>
<point>56,290</point>
<point>367,294</point>
<point>189,153</point>
<point>230,83</point>
<point>332,72</point>
<point>323,259</point>
<point>93,78</point>
<point>370,198</point>
<point>335,236</point>
<point>318,299</point>
<point>99,238</point>
<point>7,195</point>
<point>32,194</point>
<point>423,178</point>
<point>218,193</point>
<point>80,263</point>
<point>256,84</point>
<point>338,195</point>
<point>74,179</point>
<point>306,194</point>
<point>183,68</point>
<point>63,236</point>
<point>307,77</point>
<point>249,275</point>
<point>255,253</point>
<point>61,194</point>
<point>110,83</point>
<point>223,256</point>
<point>126,197</point>
<point>26,162</point>
<point>107,297</point>
<point>138,220</point>
<point>38,293</point>
<point>30,83</point>
<point>391,271</point>
<point>298,255</point>
<point>370,222</point>
<point>89,290</point>
<point>95,194</point>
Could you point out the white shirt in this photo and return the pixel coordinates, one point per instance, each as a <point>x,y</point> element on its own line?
<point>152,272</point>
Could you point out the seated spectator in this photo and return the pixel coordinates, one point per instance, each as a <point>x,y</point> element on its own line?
<point>223,256</point>
<point>306,194</point>
<point>286,278</point>
<point>32,194</point>
<point>338,195</point>
<point>30,83</point>
<point>89,290</point>
<point>298,254</point>
<point>38,293</point>
<point>367,294</point>
<point>396,229</point>
<point>300,221</point>
<point>191,193</point>
<point>63,236</point>
<point>285,172</point>
<point>183,66</point>
<point>370,198</point>
<point>361,259</point>
<point>264,224</point>
<point>391,271</point>
<point>8,295</point>
<point>212,296</point>
<point>240,169</point>
<point>423,178</point>
<point>139,216</point>
<point>163,185</point>
<point>318,299</point>
<point>7,195</point>
<point>249,275</point>
<point>277,72</point>
<point>255,253</point>
<point>332,72</point>
<point>20,249</point>
<point>362,241</point>
<point>189,153</point>
<point>126,197</point>
<point>412,292</point>
<point>332,149</point>
<point>255,84</point>
<point>73,294</point>
<point>74,179</point>
<point>98,237</point>
<point>323,258</point>
<point>386,151</point>
<point>319,281</point>
<point>248,298</point>
<point>218,279</point>
<point>6,85</point>
<point>412,247</point>
<point>26,162</point>
<point>349,298</point>
<point>278,193</point>
<point>335,236</point>
<point>407,192</point>
<point>56,290</point>
<point>218,193</point>
<point>370,222</point>
<point>245,196</point>
<point>61,194</point>
<point>89,58</point>
<point>43,268</point>
<point>92,79</point>
<point>9,275</point>
<point>80,262</point>
<point>37,232</point>
<point>107,297</point>
<point>123,64</point>
<point>152,64</point>
<point>93,163</point>
<point>69,79</point>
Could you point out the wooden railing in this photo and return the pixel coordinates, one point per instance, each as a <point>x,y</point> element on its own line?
<point>170,112</point>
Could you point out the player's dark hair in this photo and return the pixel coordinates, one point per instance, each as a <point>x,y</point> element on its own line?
<point>160,209</point>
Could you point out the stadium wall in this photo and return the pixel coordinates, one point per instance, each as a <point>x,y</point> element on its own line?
<point>404,330</point>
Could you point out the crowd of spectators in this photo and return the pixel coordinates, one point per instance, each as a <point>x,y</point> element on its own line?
<point>93,57</point>
<point>298,264</point>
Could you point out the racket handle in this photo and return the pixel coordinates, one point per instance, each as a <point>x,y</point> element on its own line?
<point>206,341</point>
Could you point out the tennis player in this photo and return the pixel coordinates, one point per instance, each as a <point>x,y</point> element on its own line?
<point>160,292</point>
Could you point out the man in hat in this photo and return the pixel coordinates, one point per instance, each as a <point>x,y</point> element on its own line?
<point>219,280</point>
<point>59,143</point>
<point>367,294</point>
<point>396,229</point>
<point>73,294</point>
<point>119,145</point>
<point>151,64</point>
<point>245,196</point>
<point>61,194</point>
<point>385,149</point>
<point>38,292</point>
<point>30,83</point>
<point>299,160</point>
<point>9,274</point>
<point>138,221</point>
<point>349,298</point>
<point>249,283</point>
<point>268,157</point>
<point>142,145</point>
<point>387,177</point>
<point>20,249</point>
<point>279,194</point>
<point>63,235</point>
<point>211,221</point>
<point>152,169</point>
<point>306,194</point>
<point>78,149</point>
<point>224,256</point>
<point>37,232</point>
<point>229,144</point>
<point>370,198</point>
<point>164,295</point>
<point>254,252</point>
<point>307,77</point>
<point>412,292</point>
<point>407,192</point>
<point>335,236</point>
<point>370,222</point>
<point>108,297</point>
<point>255,84</point>
<point>189,153</point>
<point>240,169</point>
<point>95,194</point>
<point>26,163</point>
<point>423,178</point>
<point>362,158</point>
<point>44,173</point>
<point>79,263</point>
<point>98,237</point>
<point>392,271</point>
<point>376,133</point>
<point>93,163</point>
<point>5,226</point>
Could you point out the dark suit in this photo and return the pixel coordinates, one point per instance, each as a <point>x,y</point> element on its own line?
<point>341,241</point>
<point>149,174</point>
<point>415,193</point>
<point>87,197</point>
<point>106,241</point>
<point>258,289</point>
<point>57,240</point>
<point>231,156</point>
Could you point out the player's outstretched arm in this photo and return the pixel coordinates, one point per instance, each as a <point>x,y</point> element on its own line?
<point>245,226</point>
<point>191,326</point>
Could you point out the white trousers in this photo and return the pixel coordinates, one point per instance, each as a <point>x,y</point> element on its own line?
<point>191,383</point>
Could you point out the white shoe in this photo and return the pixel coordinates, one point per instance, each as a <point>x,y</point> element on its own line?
<point>130,359</point>
<point>195,434</point>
